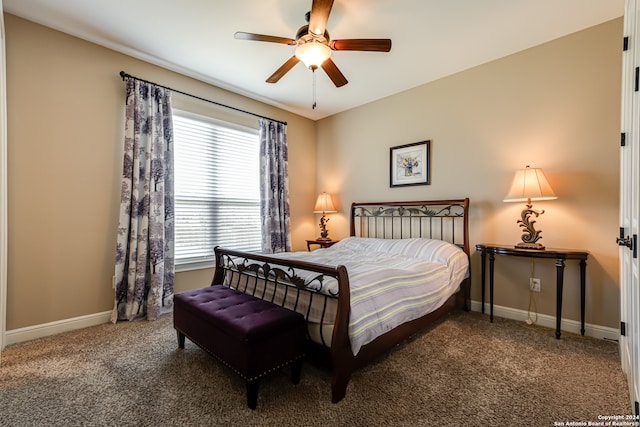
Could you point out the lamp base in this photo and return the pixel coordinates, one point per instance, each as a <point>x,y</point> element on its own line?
<point>524,245</point>
<point>531,235</point>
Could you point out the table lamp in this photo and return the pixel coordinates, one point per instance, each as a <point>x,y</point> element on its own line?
<point>324,204</point>
<point>529,184</point>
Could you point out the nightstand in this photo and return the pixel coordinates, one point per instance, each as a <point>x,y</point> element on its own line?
<point>559,255</point>
<point>321,243</point>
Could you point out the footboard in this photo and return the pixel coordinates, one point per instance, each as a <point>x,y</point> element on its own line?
<point>318,292</point>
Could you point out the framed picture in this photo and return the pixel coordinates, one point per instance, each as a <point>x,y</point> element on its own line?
<point>410,164</point>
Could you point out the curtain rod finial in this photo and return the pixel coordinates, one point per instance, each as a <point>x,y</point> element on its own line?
<point>123,75</point>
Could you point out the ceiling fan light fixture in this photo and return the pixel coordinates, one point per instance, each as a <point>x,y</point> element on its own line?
<point>313,54</point>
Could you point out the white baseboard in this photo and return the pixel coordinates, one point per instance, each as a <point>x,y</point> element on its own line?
<point>28,333</point>
<point>573,326</point>
<point>39,331</point>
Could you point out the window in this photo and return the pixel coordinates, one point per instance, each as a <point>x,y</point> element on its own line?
<point>217,198</point>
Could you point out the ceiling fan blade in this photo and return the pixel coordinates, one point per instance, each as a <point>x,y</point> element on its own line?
<point>368,45</point>
<point>262,38</point>
<point>284,69</point>
<point>334,73</point>
<point>320,10</point>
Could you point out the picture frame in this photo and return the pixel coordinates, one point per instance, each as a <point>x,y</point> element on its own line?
<point>410,164</point>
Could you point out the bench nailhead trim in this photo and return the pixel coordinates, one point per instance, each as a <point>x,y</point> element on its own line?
<point>282,365</point>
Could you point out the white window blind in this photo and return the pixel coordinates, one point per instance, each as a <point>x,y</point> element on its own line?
<point>217,199</point>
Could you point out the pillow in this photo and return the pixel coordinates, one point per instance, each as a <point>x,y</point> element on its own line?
<point>427,249</point>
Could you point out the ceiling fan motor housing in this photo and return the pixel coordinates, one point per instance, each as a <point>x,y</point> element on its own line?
<point>304,36</point>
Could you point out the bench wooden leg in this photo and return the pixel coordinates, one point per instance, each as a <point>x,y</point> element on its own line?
<point>296,371</point>
<point>252,393</point>
<point>180,339</point>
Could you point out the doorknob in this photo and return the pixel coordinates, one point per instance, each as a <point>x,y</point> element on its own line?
<point>631,243</point>
<point>624,241</point>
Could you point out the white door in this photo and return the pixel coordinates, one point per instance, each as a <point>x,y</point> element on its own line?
<point>629,204</point>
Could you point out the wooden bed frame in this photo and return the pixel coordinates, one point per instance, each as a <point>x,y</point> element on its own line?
<point>441,219</point>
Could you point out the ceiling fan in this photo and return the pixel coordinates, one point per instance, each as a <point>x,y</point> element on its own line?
<point>313,45</point>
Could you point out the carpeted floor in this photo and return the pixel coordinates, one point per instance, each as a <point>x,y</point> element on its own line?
<point>466,371</point>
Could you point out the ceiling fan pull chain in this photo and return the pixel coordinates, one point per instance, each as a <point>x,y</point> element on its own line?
<point>313,71</point>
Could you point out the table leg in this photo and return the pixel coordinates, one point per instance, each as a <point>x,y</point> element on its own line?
<point>492,258</point>
<point>559,286</point>
<point>483,257</point>
<point>583,268</point>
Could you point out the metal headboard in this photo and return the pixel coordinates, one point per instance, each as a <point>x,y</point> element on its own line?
<point>437,219</point>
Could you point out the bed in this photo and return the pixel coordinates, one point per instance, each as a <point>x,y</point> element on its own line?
<point>404,267</point>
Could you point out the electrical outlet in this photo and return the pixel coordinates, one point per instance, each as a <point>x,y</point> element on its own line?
<point>534,284</point>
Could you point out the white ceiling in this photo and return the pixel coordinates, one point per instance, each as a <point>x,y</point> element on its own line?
<point>431,39</point>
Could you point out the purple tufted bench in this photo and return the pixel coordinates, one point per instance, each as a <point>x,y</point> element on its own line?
<point>251,336</point>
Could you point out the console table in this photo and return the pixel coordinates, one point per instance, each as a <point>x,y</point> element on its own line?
<point>560,255</point>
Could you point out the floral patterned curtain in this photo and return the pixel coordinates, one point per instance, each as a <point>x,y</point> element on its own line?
<point>144,253</point>
<point>274,187</point>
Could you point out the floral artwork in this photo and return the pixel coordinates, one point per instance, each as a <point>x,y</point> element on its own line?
<point>410,164</point>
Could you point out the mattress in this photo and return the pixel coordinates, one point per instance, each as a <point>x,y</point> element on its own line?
<point>392,281</point>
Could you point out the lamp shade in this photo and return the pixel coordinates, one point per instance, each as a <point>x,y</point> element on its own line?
<point>324,204</point>
<point>530,184</point>
<point>313,54</point>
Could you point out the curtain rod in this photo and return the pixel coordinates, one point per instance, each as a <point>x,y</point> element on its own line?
<point>129,76</point>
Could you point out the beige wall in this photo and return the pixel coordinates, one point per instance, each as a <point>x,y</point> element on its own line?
<point>65,132</point>
<point>555,106</point>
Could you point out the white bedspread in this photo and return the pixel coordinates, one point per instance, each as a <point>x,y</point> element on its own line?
<point>392,281</point>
